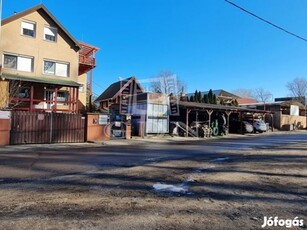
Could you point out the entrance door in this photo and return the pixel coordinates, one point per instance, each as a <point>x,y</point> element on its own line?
<point>49,98</point>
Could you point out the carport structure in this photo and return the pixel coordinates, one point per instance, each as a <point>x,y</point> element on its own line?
<point>186,108</point>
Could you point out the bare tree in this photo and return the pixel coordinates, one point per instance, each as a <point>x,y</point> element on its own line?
<point>298,88</point>
<point>168,83</point>
<point>263,96</point>
<point>11,91</point>
<point>245,93</point>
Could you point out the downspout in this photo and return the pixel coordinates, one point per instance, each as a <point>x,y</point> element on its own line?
<point>91,92</point>
<point>1,37</point>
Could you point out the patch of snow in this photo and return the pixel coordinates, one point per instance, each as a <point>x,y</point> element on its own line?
<point>181,188</point>
<point>220,159</point>
<point>190,179</point>
<point>68,177</point>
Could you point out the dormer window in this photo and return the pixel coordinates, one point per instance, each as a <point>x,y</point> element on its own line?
<point>50,34</point>
<point>28,28</point>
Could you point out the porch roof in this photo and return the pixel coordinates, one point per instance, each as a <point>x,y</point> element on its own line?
<point>42,80</point>
<point>204,106</point>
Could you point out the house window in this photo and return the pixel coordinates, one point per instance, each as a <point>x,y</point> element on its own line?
<point>62,97</point>
<point>19,63</point>
<point>28,28</point>
<point>10,61</point>
<point>24,92</point>
<point>50,34</point>
<point>81,88</point>
<point>54,68</point>
<point>49,67</point>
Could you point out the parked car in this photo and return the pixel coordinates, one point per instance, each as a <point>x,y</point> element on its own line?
<point>247,127</point>
<point>259,126</point>
<point>235,127</point>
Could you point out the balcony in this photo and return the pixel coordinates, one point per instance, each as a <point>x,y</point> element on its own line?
<point>87,59</point>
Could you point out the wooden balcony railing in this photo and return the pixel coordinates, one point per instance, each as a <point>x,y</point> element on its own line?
<point>84,60</point>
<point>87,59</point>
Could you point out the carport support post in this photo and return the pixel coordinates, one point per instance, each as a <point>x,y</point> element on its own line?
<point>228,115</point>
<point>272,122</point>
<point>197,123</point>
<point>253,120</point>
<point>241,125</point>
<point>187,123</point>
<point>209,114</point>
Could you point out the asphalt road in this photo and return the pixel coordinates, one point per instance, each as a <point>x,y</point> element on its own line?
<point>31,162</point>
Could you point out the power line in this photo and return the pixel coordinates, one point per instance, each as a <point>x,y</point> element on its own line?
<point>98,85</point>
<point>266,21</point>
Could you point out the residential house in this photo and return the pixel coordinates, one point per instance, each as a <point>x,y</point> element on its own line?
<point>44,68</point>
<point>117,96</point>
<point>115,101</point>
<point>128,103</point>
<point>244,100</point>
<point>222,96</point>
<point>301,99</point>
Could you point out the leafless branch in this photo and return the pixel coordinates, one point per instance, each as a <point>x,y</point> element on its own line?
<point>168,83</point>
<point>298,88</point>
<point>13,89</point>
<point>263,95</point>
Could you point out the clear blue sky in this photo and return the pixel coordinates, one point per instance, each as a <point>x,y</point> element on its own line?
<point>207,43</point>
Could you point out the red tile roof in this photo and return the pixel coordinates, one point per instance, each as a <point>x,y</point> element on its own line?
<point>246,100</point>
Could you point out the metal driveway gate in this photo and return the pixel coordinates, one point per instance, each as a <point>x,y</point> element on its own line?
<point>43,127</point>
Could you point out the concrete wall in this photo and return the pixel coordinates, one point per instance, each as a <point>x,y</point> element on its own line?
<point>5,127</point>
<point>296,120</point>
<point>95,131</point>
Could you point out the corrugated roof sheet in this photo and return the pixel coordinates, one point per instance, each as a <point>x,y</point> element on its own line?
<point>197,105</point>
<point>281,103</point>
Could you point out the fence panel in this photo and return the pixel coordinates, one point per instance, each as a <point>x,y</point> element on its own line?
<point>43,127</point>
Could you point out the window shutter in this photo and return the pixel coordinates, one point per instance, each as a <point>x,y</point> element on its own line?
<point>61,70</point>
<point>27,25</point>
<point>49,31</point>
<point>24,64</point>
